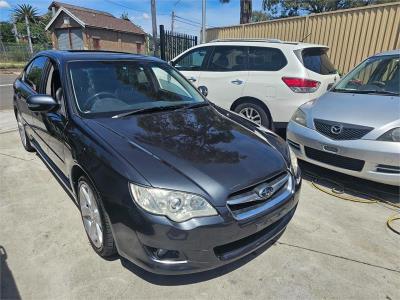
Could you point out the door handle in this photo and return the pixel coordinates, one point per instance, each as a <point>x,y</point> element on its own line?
<point>237,81</point>
<point>192,79</point>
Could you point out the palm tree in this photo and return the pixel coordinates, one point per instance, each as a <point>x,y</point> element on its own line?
<point>27,13</point>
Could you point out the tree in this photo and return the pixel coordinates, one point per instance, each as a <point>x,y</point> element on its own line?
<point>27,13</point>
<point>245,10</point>
<point>124,16</point>
<point>289,8</point>
<point>259,16</point>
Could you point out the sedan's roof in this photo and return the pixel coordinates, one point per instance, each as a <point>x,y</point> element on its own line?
<point>71,55</point>
<point>392,52</point>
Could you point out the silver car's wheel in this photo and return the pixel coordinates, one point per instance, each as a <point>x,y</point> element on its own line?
<point>91,215</point>
<point>21,129</point>
<point>251,114</point>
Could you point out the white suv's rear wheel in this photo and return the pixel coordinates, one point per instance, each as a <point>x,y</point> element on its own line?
<point>254,113</point>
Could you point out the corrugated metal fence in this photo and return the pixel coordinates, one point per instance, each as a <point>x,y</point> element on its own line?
<point>352,35</point>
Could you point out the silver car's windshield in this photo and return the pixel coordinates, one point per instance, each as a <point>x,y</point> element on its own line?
<point>117,87</point>
<point>376,75</point>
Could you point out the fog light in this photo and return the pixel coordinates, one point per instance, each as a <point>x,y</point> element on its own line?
<point>163,254</point>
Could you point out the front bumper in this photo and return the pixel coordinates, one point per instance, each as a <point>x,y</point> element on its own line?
<point>202,243</point>
<point>381,159</point>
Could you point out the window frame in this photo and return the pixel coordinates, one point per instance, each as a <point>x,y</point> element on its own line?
<point>260,47</point>
<point>203,67</point>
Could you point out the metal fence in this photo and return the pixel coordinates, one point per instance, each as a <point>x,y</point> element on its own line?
<point>173,44</point>
<point>352,34</point>
<point>13,52</point>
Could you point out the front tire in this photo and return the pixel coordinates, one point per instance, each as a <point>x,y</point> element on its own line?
<point>95,219</point>
<point>255,113</point>
<point>22,134</point>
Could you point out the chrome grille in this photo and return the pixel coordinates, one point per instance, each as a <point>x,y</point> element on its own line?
<point>252,202</point>
<point>347,132</point>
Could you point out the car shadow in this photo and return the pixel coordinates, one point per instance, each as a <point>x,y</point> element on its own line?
<point>353,186</point>
<point>175,280</point>
<point>8,287</point>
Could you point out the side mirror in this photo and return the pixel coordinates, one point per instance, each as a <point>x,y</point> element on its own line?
<point>41,103</point>
<point>204,90</point>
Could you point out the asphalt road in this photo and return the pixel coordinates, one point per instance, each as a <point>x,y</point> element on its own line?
<point>6,91</point>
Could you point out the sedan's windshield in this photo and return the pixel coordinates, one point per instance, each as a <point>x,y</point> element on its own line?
<point>115,87</point>
<point>377,75</point>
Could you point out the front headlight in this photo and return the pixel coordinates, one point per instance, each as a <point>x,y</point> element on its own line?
<point>293,161</point>
<point>392,135</point>
<point>177,206</point>
<point>300,117</point>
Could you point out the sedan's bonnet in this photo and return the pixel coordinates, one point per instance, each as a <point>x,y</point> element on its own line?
<point>213,152</point>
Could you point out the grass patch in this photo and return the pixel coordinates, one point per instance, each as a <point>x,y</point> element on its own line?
<point>12,65</point>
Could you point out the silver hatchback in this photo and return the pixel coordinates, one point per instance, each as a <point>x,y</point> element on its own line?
<point>355,127</point>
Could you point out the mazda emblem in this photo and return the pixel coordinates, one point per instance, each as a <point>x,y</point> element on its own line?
<point>336,129</point>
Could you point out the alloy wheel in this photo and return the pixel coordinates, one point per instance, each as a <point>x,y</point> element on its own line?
<point>90,215</point>
<point>251,114</point>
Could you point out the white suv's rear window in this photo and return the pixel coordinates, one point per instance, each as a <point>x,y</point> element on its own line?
<point>317,60</point>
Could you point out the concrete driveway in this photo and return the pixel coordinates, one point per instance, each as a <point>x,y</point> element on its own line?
<point>332,249</point>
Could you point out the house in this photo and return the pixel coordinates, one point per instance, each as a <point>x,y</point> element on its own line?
<point>78,28</point>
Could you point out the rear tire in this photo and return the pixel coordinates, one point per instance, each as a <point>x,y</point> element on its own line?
<point>26,143</point>
<point>95,219</point>
<point>255,113</point>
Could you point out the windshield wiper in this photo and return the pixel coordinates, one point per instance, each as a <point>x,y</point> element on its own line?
<point>365,92</point>
<point>157,108</point>
<point>145,110</point>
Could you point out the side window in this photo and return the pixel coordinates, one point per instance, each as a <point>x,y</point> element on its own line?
<point>266,59</point>
<point>34,73</point>
<point>192,61</point>
<point>228,58</point>
<point>53,85</point>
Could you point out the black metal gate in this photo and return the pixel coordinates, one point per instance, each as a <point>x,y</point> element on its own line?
<point>172,44</point>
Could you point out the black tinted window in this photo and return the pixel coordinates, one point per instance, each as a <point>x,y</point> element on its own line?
<point>191,61</point>
<point>266,59</point>
<point>317,60</point>
<point>228,58</point>
<point>34,72</point>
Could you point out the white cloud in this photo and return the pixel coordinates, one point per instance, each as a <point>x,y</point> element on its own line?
<point>145,16</point>
<point>4,4</point>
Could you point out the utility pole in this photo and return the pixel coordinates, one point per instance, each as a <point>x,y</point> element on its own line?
<point>154,25</point>
<point>172,21</point>
<point>203,22</point>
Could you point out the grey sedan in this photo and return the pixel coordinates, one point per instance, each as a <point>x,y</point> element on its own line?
<point>355,127</point>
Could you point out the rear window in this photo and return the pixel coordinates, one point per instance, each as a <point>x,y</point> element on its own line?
<point>317,60</point>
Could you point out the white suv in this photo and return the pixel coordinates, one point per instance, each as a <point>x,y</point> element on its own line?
<point>264,80</point>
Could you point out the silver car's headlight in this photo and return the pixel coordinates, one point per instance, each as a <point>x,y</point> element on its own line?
<point>293,161</point>
<point>177,206</point>
<point>300,117</point>
<point>393,135</point>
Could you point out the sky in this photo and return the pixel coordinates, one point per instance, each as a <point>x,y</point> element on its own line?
<point>139,11</point>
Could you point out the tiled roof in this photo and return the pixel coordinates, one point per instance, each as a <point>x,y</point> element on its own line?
<point>99,19</point>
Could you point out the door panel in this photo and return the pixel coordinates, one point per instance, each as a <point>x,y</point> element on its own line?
<point>63,39</point>
<point>76,39</point>
<point>51,124</point>
<point>226,75</point>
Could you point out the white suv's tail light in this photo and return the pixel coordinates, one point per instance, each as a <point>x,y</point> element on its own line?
<point>301,85</point>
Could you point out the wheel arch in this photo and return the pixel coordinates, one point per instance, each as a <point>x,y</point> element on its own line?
<point>247,99</point>
<point>77,172</point>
